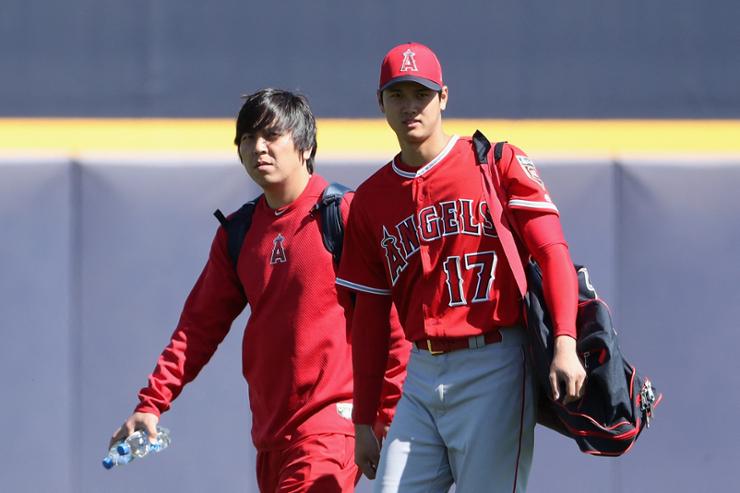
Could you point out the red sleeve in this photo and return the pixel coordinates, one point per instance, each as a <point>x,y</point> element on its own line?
<point>398,352</point>
<point>371,330</point>
<point>345,205</point>
<point>524,188</point>
<point>544,239</point>
<point>362,268</point>
<point>395,372</point>
<point>213,304</point>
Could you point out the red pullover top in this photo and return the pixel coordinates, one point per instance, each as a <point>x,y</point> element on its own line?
<point>297,357</point>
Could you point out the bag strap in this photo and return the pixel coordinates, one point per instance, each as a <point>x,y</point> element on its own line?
<point>330,216</point>
<point>487,160</point>
<point>236,227</point>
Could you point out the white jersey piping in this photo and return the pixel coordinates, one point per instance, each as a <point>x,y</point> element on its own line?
<point>362,288</point>
<point>530,204</point>
<point>430,164</point>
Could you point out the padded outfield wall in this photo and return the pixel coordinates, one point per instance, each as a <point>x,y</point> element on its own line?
<point>98,254</point>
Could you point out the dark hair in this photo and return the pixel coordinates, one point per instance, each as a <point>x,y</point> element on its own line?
<point>279,111</point>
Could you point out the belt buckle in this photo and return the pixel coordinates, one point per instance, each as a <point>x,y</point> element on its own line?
<point>431,351</point>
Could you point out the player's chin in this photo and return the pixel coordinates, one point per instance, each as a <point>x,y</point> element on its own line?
<point>263,173</point>
<point>413,134</point>
<point>263,179</point>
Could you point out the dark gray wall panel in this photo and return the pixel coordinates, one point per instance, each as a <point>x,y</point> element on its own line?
<point>680,306</point>
<point>38,366</point>
<point>511,58</point>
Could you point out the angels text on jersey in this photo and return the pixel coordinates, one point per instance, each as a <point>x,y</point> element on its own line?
<point>432,223</point>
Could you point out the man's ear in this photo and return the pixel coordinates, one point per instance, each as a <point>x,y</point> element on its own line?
<point>444,96</point>
<point>307,154</point>
<point>380,101</point>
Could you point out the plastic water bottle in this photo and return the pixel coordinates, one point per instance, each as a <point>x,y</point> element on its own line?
<point>115,459</point>
<point>136,446</point>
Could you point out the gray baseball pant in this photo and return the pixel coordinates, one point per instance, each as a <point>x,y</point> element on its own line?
<point>466,417</point>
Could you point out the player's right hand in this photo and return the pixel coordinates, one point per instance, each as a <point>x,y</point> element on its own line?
<point>566,371</point>
<point>137,421</point>
<point>367,450</point>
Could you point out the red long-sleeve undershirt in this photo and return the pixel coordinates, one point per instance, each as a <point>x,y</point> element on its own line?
<point>543,236</point>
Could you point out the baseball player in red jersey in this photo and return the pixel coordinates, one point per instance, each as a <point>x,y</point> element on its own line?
<point>296,348</point>
<point>420,235</point>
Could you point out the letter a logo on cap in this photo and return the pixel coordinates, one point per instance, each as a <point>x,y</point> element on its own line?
<point>411,62</point>
<point>408,63</point>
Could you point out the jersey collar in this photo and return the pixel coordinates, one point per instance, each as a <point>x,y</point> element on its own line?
<point>314,187</point>
<point>396,164</point>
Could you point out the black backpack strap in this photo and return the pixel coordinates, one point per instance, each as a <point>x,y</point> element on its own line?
<point>221,218</point>
<point>483,146</point>
<point>329,208</point>
<point>498,151</point>
<point>236,227</point>
<point>332,225</point>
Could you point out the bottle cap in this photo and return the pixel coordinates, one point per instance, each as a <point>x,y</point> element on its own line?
<point>123,448</point>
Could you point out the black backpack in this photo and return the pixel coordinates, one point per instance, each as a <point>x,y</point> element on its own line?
<point>618,402</point>
<point>328,208</point>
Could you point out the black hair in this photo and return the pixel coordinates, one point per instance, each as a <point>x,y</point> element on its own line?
<point>278,111</point>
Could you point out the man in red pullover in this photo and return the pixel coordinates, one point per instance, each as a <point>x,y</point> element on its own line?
<point>296,349</point>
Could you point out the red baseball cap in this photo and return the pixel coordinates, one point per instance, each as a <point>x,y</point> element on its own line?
<point>413,62</point>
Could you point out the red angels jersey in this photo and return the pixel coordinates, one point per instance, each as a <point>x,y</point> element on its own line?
<point>424,236</point>
<point>296,350</point>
